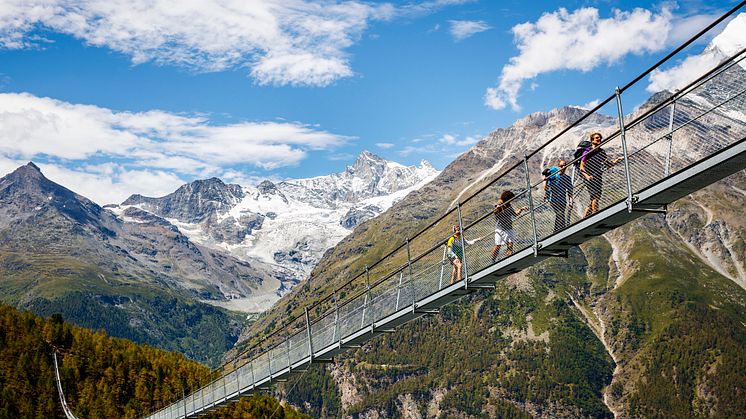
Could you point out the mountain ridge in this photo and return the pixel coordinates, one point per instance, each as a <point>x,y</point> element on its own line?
<point>143,280</point>
<point>288,224</point>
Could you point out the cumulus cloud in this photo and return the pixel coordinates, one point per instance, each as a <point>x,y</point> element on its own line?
<point>579,40</point>
<point>726,44</point>
<point>281,42</point>
<point>160,146</point>
<point>462,29</point>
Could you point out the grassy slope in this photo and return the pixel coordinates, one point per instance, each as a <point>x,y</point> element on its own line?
<point>497,354</point>
<point>683,326</point>
<point>672,313</point>
<point>93,298</point>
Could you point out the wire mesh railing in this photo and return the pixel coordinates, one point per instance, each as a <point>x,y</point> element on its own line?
<point>661,138</point>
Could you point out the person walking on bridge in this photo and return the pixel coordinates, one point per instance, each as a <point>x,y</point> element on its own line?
<point>504,233</point>
<point>455,253</point>
<point>592,166</point>
<point>558,187</point>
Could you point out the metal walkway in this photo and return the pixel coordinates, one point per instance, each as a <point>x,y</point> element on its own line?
<point>681,144</point>
<point>65,408</point>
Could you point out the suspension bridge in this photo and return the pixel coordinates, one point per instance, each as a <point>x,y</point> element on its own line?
<point>676,144</point>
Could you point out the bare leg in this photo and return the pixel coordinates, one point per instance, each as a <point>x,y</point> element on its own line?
<point>594,205</point>
<point>495,251</point>
<point>456,276</point>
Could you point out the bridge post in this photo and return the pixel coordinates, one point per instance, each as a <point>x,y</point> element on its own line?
<point>398,290</point>
<point>465,267</point>
<point>287,347</point>
<point>442,267</point>
<point>367,295</point>
<point>238,378</point>
<point>253,379</point>
<point>194,404</point>
<point>308,330</point>
<point>337,335</point>
<point>269,363</point>
<point>623,135</point>
<point>669,137</point>
<point>225,388</point>
<point>531,206</point>
<point>194,408</point>
<point>411,277</point>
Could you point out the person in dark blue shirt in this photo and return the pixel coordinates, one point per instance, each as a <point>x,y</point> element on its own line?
<point>558,187</point>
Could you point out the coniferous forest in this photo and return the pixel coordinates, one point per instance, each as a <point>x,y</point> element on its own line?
<point>102,377</point>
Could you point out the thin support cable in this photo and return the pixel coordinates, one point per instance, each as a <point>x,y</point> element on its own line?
<point>65,408</point>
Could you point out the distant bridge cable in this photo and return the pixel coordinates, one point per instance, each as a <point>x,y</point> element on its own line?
<point>65,408</point>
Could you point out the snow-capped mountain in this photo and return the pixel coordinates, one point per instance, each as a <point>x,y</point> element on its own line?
<point>289,224</point>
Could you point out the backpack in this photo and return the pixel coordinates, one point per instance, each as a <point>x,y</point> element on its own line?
<point>579,150</point>
<point>551,175</point>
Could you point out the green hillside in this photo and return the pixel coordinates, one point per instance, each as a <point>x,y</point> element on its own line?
<point>92,298</point>
<point>541,344</point>
<point>102,377</point>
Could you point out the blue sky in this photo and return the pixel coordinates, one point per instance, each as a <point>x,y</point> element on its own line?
<point>112,98</point>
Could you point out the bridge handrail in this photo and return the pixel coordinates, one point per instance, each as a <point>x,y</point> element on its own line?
<point>723,66</point>
<point>516,165</point>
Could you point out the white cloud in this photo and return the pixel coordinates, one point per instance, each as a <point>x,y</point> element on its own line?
<point>340,157</point>
<point>444,145</point>
<point>462,29</point>
<point>728,42</point>
<point>578,40</point>
<point>115,186</point>
<point>684,27</point>
<point>282,42</point>
<point>452,140</point>
<point>590,105</point>
<point>385,146</point>
<point>678,76</point>
<point>430,6</point>
<point>157,145</point>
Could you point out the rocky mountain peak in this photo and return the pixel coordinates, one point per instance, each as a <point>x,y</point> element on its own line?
<point>539,120</point>
<point>28,171</point>
<point>30,166</point>
<point>424,164</point>
<point>192,202</point>
<point>212,189</point>
<point>26,192</point>
<point>266,187</point>
<point>366,164</point>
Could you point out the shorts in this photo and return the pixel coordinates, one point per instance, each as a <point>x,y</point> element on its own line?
<point>595,186</point>
<point>504,236</point>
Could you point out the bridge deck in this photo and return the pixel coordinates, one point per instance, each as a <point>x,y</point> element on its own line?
<point>692,139</point>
